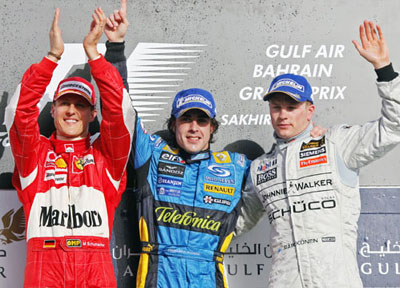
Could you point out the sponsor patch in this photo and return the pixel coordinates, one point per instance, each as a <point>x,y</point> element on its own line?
<point>313,161</point>
<point>60,163</point>
<point>73,243</point>
<point>50,159</point>
<point>169,191</point>
<point>219,171</point>
<point>69,148</point>
<point>321,183</point>
<point>267,165</point>
<point>148,248</point>
<point>241,161</point>
<point>193,98</point>
<point>313,144</point>
<point>169,181</point>
<point>219,189</point>
<point>80,163</point>
<point>70,219</point>
<point>142,127</point>
<point>170,150</point>
<point>311,153</point>
<point>266,176</point>
<point>288,82</point>
<point>298,243</point>
<point>211,200</point>
<point>222,157</point>
<point>221,174</point>
<point>171,169</point>
<point>171,157</point>
<point>159,142</point>
<point>49,244</point>
<point>189,218</point>
<point>329,239</point>
<point>58,178</point>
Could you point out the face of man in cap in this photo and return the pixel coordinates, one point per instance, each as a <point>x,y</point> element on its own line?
<point>72,115</point>
<point>289,117</point>
<point>193,131</point>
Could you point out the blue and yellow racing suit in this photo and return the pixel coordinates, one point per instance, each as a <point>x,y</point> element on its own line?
<point>188,207</point>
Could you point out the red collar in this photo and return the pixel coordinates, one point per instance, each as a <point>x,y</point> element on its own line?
<point>61,146</point>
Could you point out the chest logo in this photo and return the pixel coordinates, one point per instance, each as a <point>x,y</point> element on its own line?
<point>313,144</point>
<point>171,169</point>
<point>266,176</point>
<point>313,161</point>
<point>219,189</point>
<point>219,171</point>
<point>211,200</point>
<point>60,163</point>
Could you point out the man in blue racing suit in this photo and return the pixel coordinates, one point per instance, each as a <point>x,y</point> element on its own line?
<point>189,198</point>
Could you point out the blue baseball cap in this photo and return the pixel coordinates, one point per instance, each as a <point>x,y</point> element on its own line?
<point>295,86</point>
<point>193,98</point>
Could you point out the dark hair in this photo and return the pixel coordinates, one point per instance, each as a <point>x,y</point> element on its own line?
<point>171,137</point>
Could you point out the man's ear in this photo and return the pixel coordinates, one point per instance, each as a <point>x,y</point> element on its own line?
<point>310,111</point>
<point>52,110</point>
<point>93,115</point>
<point>173,126</point>
<point>212,127</point>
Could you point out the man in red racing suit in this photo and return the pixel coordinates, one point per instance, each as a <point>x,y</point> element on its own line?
<point>71,183</point>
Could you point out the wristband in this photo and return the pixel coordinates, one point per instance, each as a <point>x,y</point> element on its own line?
<point>54,55</point>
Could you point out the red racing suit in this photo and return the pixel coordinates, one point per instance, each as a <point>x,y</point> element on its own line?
<point>70,189</point>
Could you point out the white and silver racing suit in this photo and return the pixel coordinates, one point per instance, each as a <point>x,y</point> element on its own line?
<point>310,193</point>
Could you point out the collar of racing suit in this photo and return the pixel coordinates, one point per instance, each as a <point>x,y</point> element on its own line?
<point>61,146</point>
<point>284,142</point>
<point>191,158</point>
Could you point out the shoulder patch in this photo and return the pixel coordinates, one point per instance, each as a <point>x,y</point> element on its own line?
<point>170,150</point>
<point>222,157</point>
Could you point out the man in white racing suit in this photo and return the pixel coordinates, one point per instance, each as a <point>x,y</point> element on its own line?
<point>310,186</point>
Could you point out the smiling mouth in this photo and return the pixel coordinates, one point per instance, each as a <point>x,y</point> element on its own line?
<point>193,138</point>
<point>71,121</point>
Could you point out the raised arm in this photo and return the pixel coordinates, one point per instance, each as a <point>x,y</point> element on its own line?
<point>373,45</point>
<point>95,33</point>
<point>118,117</point>
<point>22,111</point>
<point>115,30</point>
<point>362,144</point>
<point>56,41</point>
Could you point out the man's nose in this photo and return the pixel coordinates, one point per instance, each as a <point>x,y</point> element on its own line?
<point>283,113</point>
<point>71,109</point>
<point>194,125</point>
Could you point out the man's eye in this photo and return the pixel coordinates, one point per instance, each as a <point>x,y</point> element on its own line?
<point>203,120</point>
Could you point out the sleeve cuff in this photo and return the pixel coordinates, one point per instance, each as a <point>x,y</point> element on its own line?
<point>98,63</point>
<point>47,65</point>
<point>115,51</point>
<point>386,74</point>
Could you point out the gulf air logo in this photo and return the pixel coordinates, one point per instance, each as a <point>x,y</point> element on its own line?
<point>13,226</point>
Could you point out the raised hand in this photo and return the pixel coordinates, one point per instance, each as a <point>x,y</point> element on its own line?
<point>373,45</point>
<point>94,35</point>
<point>117,24</point>
<point>56,41</point>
